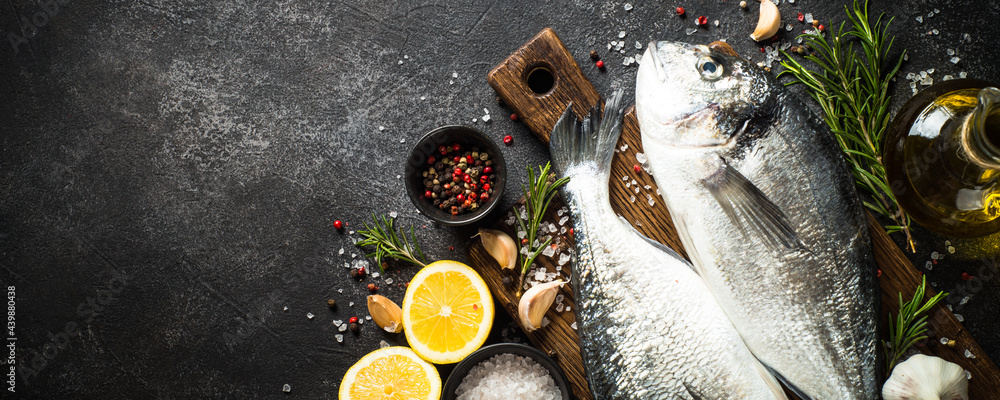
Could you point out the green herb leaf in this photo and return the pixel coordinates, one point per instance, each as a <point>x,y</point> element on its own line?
<point>390,244</point>
<point>852,88</point>
<point>910,325</point>
<point>538,194</point>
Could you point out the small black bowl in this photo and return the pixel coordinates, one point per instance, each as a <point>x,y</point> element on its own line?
<point>427,146</point>
<point>462,368</point>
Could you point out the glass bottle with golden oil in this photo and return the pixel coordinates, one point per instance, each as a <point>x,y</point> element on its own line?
<point>942,158</point>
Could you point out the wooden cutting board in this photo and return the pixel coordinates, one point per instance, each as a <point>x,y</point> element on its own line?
<point>538,81</point>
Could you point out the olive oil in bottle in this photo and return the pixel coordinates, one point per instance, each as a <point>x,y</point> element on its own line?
<point>943,158</point>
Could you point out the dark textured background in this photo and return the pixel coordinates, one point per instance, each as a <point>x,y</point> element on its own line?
<point>169,171</point>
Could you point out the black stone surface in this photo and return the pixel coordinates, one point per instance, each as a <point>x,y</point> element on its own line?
<point>169,171</point>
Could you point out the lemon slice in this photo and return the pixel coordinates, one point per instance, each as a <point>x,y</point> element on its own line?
<point>447,312</point>
<point>395,373</point>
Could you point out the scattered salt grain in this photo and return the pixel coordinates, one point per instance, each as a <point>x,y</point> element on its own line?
<point>310,315</point>
<point>342,328</point>
<point>955,60</point>
<point>286,308</point>
<point>485,118</point>
<point>454,74</point>
<point>351,304</point>
<point>340,338</point>
<point>621,34</point>
<point>627,7</point>
<point>929,265</point>
<point>951,249</point>
<point>959,317</point>
<point>568,309</point>
<point>950,52</point>
<point>375,275</point>
<point>548,251</point>
<point>368,317</point>
<point>920,19</point>
<point>968,354</point>
<point>964,300</point>
<point>563,258</point>
<point>968,375</point>
<point>381,128</point>
<point>641,158</point>
<point>341,251</point>
<point>383,344</point>
<point>337,322</point>
<point>573,325</point>
<point>944,340</point>
<point>632,199</point>
<point>340,290</point>
<point>809,18</point>
<point>788,27</point>
<point>508,376</point>
<point>935,31</point>
<point>962,74</point>
<point>287,388</point>
<point>690,31</point>
<point>935,255</point>
<point>388,281</point>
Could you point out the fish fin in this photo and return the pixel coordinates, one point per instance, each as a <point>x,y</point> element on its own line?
<point>774,374</point>
<point>659,246</point>
<point>772,383</point>
<point>750,209</point>
<point>592,141</point>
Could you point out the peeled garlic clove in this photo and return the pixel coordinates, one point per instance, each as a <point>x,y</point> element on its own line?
<point>926,378</point>
<point>385,313</point>
<point>535,302</point>
<point>500,246</point>
<point>769,22</point>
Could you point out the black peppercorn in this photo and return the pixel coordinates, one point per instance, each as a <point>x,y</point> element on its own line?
<point>594,56</point>
<point>355,274</point>
<point>331,303</point>
<point>354,327</point>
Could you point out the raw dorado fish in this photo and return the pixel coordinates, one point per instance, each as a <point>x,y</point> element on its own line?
<point>768,212</point>
<point>649,328</point>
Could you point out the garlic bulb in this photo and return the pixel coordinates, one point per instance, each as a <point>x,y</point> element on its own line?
<point>769,22</point>
<point>385,313</point>
<point>535,302</point>
<point>500,246</point>
<point>926,378</point>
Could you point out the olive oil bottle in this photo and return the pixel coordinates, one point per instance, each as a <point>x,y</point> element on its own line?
<point>943,158</point>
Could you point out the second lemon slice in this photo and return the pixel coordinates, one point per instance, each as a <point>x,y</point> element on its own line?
<point>447,312</point>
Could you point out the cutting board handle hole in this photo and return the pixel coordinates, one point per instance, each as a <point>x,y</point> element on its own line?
<point>540,78</point>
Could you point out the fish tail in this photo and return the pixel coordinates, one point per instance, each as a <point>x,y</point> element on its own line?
<point>593,141</point>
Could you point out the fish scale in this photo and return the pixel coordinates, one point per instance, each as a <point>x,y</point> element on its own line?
<point>767,210</point>
<point>649,327</point>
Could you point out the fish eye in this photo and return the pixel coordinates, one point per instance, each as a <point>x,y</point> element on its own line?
<point>709,68</point>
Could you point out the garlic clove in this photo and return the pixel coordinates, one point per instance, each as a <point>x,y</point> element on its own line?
<point>535,302</point>
<point>926,378</point>
<point>501,246</point>
<point>386,314</point>
<point>769,22</point>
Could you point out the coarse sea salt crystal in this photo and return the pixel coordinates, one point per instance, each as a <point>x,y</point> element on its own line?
<point>690,31</point>
<point>964,300</point>
<point>286,388</point>
<point>809,18</point>
<point>548,251</point>
<point>342,328</point>
<point>341,251</point>
<point>573,325</point>
<point>563,258</point>
<point>641,158</point>
<point>621,34</point>
<point>540,275</point>
<point>944,340</point>
<point>955,60</point>
<point>568,309</point>
<point>383,344</point>
<point>375,275</point>
<point>935,255</point>
<point>929,265</point>
<point>962,74</point>
<point>485,118</point>
<point>627,6</point>
<point>310,315</point>
<point>968,354</point>
<point>632,199</point>
<point>388,281</point>
<point>562,221</point>
<point>560,307</point>
<point>340,338</point>
<point>959,317</point>
<point>337,322</point>
<point>920,19</point>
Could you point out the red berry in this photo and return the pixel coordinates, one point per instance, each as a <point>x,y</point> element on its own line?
<point>513,117</point>
<point>447,186</point>
<point>431,159</point>
<point>458,172</point>
<point>879,273</point>
<point>507,140</point>
<point>680,10</point>
<point>468,179</point>
<point>450,248</point>
<point>488,170</point>
<point>428,194</point>
<point>361,272</point>
<point>822,28</point>
<point>456,178</point>
<point>353,320</point>
<point>456,159</point>
<point>443,150</point>
<point>599,64</point>
<point>524,241</point>
<point>484,179</point>
<point>484,196</point>
<point>460,197</point>
<point>801,18</point>
<point>372,287</point>
<point>966,276</point>
<point>702,20</point>
<point>455,147</point>
<point>637,168</point>
<point>486,186</point>
<point>338,225</point>
<point>570,232</point>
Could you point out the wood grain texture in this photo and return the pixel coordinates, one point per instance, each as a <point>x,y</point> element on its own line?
<point>540,112</point>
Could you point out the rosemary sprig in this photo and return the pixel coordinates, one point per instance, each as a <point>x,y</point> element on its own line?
<point>539,192</point>
<point>910,325</point>
<point>853,92</point>
<point>388,243</point>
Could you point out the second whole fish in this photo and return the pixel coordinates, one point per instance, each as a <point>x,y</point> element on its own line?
<point>767,209</point>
